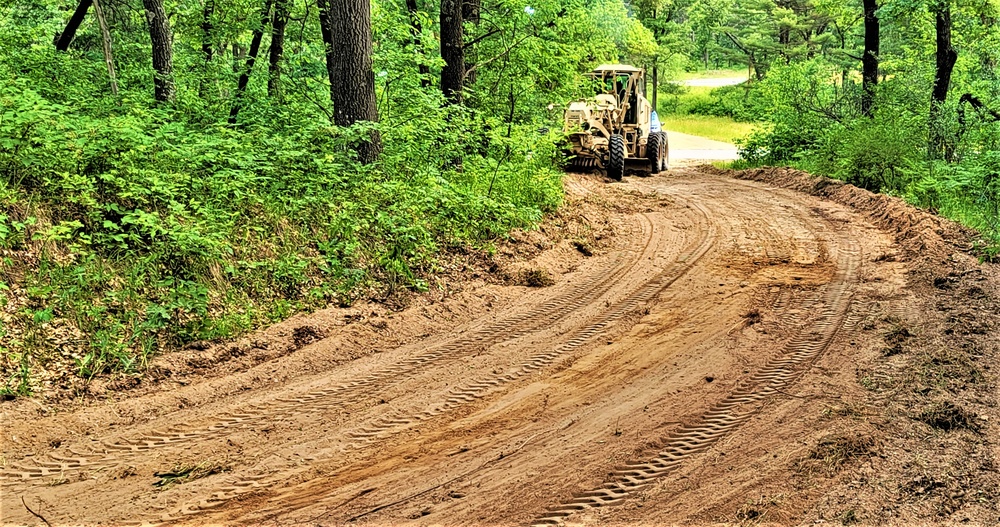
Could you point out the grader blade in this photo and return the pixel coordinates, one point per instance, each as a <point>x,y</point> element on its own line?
<point>639,165</point>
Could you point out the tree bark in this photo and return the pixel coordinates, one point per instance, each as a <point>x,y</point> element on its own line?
<point>945,55</point>
<point>326,30</point>
<point>869,60</point>
<point>239,56</point>
<point>452,50</point>
<point>163,57</point>
<point>206,30</point>
<point>64,40</point>
<point>109,59</point>
<point>207,49</point>
<point>945,58</point>
<point>349,64</point>
<point>277,49</point>
<point>470,10</point>
<point>656,84</point>
<point>417,30</point>
<point>470,13</point>
<point>241,87</point>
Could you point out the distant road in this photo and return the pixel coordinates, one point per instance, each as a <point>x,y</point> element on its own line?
<point>686,149</point>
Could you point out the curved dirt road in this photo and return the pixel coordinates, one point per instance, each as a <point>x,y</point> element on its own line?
<point>651,383</point>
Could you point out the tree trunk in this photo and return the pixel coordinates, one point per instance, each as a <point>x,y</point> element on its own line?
<point>206,30</point>
<point>945,63</point>
<point>239,56</point>
<point>656,84</point>
<point>163,59</point>
<point>277,49</point>
<point>869,60</point>
<point>325,29</point>
<point>241,87</point>
<point>470,13</point>
<point>470,10</point>
<point>106,40</point>
<point>207,48</point>
<point>64,40</point>
<point>452,50</point>
<point>352,81</point>
<point>417,30</point>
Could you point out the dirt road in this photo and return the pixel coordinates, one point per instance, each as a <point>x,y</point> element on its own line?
<point>712,350</point>
<point>688,150</point>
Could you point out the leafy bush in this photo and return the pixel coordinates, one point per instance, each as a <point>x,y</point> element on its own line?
<point>880,154</point>
<point>145,230</point>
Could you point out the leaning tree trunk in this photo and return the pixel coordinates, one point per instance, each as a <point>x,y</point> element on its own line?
<point>66,37</point>
<point>163,60</point>
<point>869,60</point>
<point>109,59</point>
<point>277,49</point>
<point>945,63</point>
<point>352,81</point>
<point>452,50</point>
<point>241,86</point>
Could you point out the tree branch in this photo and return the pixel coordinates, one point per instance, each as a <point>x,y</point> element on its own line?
<point>501,55</point>
<point>481,38</point>
<point>33,513</point>
<point>736,43</point>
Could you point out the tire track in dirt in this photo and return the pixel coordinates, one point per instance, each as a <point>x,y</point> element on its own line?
<point>742,404</point>
<point>116,452</point>
<point>392,424</point>
<point>444,422</point>
<point>315,493</point>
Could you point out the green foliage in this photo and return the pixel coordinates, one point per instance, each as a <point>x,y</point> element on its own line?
<point>880,154</point>
<point>143,227</point>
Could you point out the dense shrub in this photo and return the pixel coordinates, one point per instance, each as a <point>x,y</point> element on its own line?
<point>142,230</point>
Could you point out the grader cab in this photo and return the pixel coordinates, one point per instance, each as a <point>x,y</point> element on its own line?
<point>616,129</point>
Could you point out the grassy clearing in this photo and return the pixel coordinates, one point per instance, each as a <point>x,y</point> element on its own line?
<point>712,74</point>
<point>723,129</point>
<point>680,100</point>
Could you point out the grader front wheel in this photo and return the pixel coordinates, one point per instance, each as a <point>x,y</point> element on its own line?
<point>616,157</point>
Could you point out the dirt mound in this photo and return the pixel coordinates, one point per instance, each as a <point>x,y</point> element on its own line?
<point>929,387</point>
<point>916,231</point>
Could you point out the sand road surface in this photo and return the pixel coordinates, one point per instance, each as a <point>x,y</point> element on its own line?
<point>689,365</point>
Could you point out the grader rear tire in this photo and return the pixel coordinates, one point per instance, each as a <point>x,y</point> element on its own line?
<point>654,152</point>
<point>616,157</point>
<point>665,155</point>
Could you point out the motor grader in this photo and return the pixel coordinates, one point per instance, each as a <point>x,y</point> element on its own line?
<point>616,129</point>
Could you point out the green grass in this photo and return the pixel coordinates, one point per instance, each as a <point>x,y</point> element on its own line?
<point>712,74</point>
<point>681,99</point>
<point>722,129</point>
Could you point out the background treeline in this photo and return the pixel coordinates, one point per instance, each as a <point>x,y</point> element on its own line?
<point>898,96</point>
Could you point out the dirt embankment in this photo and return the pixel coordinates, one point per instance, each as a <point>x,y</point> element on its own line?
<point>700,347</point>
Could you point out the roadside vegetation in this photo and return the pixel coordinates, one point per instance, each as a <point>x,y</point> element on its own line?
<point>895,97</point>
